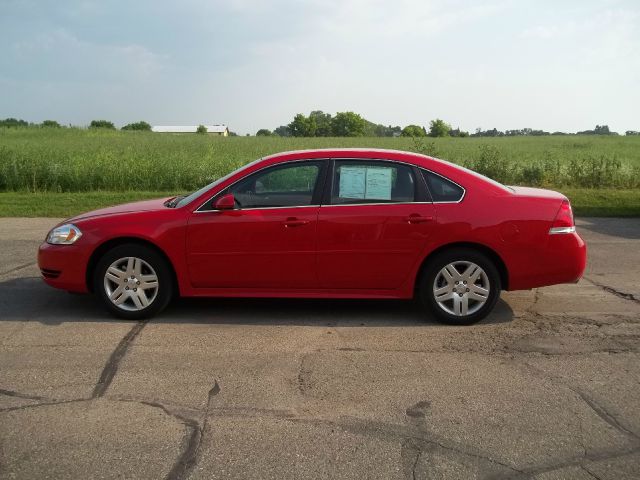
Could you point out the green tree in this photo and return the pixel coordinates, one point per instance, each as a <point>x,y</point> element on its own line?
<point>282,131</point>
<point>50,124</point>
<point>348,124</point>
<point>13,122</point>
<point>302,126</point>
<point>322,123</point>
<point>102,124</point>
<point>201,129</point>
<point>138,126</point>
<point>263,132</point>
<point>413,131</point>
<point>456,132</point>
<point>439,128</point>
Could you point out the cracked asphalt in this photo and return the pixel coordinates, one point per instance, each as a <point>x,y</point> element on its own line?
<point>547,387</point>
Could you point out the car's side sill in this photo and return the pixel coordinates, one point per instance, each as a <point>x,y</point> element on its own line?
<point>301,293</point>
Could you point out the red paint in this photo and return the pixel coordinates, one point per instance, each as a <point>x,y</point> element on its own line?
<point>346,251</point>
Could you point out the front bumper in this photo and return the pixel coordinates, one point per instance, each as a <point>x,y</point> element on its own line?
<point>63,266</point>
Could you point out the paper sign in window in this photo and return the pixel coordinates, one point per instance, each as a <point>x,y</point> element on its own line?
<point>352,182</point>
<point>378,183</point>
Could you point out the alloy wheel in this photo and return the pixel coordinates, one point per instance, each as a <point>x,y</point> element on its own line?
<point>461,288</point>
<point>131,284</point>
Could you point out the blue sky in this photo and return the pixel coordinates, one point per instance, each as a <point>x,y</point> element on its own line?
<point>555,65</point>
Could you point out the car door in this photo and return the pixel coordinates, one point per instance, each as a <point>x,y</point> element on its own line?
<point>268,240</point>
<point>373,225</point>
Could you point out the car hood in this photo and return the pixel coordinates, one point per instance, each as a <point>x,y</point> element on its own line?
<point>143,206</point>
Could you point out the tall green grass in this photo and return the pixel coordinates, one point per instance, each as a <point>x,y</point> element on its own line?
<point>74,160</point>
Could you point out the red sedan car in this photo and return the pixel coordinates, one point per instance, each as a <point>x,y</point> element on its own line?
<point>343,223</point>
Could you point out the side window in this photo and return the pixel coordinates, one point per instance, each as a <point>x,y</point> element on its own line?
<point>281,186</point>
<point>372,182</point>
<point>441,189</point>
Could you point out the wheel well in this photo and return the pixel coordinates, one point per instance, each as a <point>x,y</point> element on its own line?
<point>114,242</point>
<point>493,256</point>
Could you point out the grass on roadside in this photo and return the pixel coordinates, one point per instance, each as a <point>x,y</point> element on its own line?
<point>585,202</point>
<point>23,204</point>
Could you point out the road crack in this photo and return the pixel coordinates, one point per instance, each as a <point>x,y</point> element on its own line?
<point>188,459</point>
<point>113,363</point>
<point>598,409</point>
<point>44,404</point>
<point>11,393</point>
<point>303,373</point>
<point>617,293</point>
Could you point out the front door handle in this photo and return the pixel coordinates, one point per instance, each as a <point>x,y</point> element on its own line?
<point>417,218</point>
<point>294,222</point>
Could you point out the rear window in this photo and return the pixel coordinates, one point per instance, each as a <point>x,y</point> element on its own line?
<point>442,189</point>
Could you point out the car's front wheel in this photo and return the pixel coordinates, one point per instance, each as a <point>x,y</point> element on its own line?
<point>133,281</point>
<point>459,286</point>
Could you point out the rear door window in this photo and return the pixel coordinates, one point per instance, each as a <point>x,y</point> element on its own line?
<point>362,181</point>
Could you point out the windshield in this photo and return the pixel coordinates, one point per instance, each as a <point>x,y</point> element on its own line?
<point>185,200</point>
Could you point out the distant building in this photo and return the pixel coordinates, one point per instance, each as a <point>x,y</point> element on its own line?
<point>220,130</point>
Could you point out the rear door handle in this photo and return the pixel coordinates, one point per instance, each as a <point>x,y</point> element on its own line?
<point>416,218</point>
<point>294,222</point>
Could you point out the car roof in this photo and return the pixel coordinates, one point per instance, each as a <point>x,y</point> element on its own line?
<point>345,151</point>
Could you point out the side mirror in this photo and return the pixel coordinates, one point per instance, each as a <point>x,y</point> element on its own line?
<point>225,202</point>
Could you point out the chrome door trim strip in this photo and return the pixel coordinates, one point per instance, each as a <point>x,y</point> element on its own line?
<point>255,208</point>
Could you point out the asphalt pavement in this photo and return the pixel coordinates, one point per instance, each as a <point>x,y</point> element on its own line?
<point>547,387</point>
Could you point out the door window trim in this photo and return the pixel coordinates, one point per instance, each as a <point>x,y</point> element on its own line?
<point>421,196</point>
<point>315,198</point>
<point>464,190</point>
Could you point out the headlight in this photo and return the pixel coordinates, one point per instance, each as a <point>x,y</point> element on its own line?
<point>64,234</point>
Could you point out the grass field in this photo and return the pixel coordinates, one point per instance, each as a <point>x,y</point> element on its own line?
<point>585,202</point>
<point>601,173</point>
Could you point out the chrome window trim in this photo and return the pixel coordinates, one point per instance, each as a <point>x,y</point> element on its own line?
<point>256,208</point>
<point>464,190</point>
<point>197,210</point>
<point>369,204</point>
<point>347,159</point>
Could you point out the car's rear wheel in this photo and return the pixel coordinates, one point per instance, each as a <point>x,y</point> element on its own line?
<point>459,286</point>
<point>133,281</point>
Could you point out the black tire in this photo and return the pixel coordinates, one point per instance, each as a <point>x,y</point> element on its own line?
<point>156,261</point>
<point>426,285</point>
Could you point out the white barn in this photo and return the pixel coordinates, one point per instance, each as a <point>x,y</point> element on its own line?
<point>220,130</point>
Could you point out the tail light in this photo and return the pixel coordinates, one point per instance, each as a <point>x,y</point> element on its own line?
<point>564,220</point>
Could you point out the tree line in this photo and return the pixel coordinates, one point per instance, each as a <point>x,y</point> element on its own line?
<point>350,124</point>
<point>342,124</point>
<point>106,124</point>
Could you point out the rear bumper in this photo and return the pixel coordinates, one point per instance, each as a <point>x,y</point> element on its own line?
<point>563,261</point>
<point>63,266</point>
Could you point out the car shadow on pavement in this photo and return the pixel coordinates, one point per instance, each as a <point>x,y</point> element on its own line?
<point>29,299</point>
